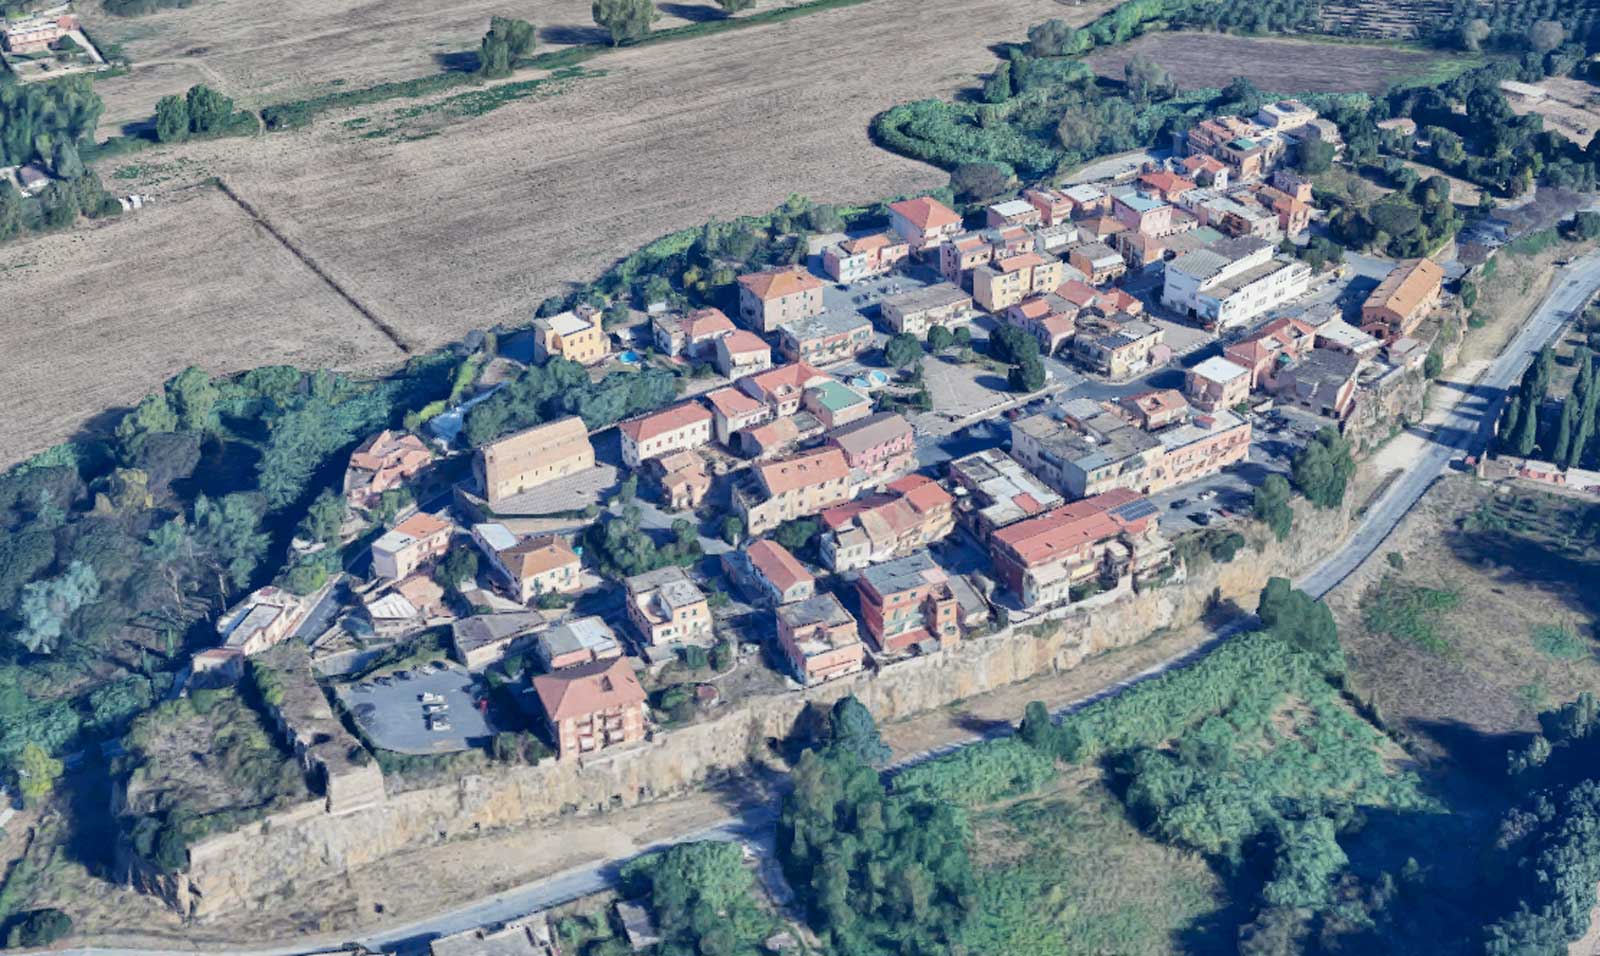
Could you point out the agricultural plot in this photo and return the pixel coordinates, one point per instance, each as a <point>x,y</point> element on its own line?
<point>1197,60</point>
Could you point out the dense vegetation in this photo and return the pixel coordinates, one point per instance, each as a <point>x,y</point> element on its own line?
<point>37,117</point>
<point>560,388</point>
<point>702,896</point>
<point>135,8</point>
<point>1557,428</point>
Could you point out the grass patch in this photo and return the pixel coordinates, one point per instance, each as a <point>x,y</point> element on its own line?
<point>1408,612</point>
<point>296,114</point>
<point>1560,642</point>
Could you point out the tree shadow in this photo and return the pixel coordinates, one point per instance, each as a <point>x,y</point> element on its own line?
<point>694,13</point>
<point>573,35</point>
<point>460,61</point>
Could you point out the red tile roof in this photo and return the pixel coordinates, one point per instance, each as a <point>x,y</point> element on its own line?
<point>921,492</point>
<point>703,322</point>
<point>803,471</point>
<point>743,342</point>
<point>926,212</point>
<point>774,562</point>
<point>731,402</point>
<point>588,689</point>
<point>665,422</point>
<point>779,283</point>
<point>794,376</point>
<point>421,525</point>
<point>1042,539</point>
<point>1167,183</point>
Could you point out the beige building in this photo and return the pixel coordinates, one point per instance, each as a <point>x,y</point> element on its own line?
<point>743,353</point>
<point>679,428</point>
<point>668,608</point>
<point>533,457</point>
<point>575,335</point>
<point>773,297</point>
<point>1402,300</point>
<point>819,639</point>
<point>531,566</point>
<point>772,493</point>
<point>409,545</point>
<point>592,707</point>
<point>1008,281</point>
<point>924,222</point>
<point>1217,383</point>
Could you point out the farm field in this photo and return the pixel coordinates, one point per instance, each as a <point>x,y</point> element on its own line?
<point>1571,109</point>
<point>1197,60</point>
<point>483,216</point>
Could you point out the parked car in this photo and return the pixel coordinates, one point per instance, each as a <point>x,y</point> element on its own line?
<point>1200,518</point>
<point>1179,503</point>
<point>1206,495</point>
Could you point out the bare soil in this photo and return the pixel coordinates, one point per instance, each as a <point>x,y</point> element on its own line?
<point>1199,60</point>
<point>1572,108</point>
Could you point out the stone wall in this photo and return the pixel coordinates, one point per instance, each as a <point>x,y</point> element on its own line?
<point>259,861</point>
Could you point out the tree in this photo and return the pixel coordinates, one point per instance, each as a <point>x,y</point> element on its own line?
<point>65,161</point>
<point>1315,156</point>
<point>628,490</point>
<point>324,519</point>
<point>1323,468</point>
<point>506,40</point>
<point>1037,728</point>
<point>997,88</point>
<point>47,606</point>
<point>1472,34</point>
<point>625,20</point>
<point>1546,35</point>
<point>732,530</point>
<point>208,109</point>
<point>228,534</point>
<point>976,182</point>
<point>1146,79</point>
<point>1055,38</point>
<point>730,7</point>
<point>37,773</point>
<point>1011,345</point>
<point>852,730</point>
<point>902,350</point>
<point>1271,506</point>
<point>458,567</point>
<point>939,338</point>
<point>1027,375</point>
<point>38,928</point>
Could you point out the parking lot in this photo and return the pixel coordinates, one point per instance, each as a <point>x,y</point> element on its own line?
<point>390,713</point>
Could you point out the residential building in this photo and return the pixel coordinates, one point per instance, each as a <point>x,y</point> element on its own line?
<point>575,335</point>
<point>912,513</point>
<point>533,457</point>
<point>969,250</point>
<point>668,608</point>
<point>1141,213</point>
<point>1285,114</point>
<point>1054,239</point>
<point>1233,282</point>
<point>918,310</point>
<point>1013,212</point>
<point>768,568</point>
<point>1324,381</point>
<point>384,462</point>
<point>1249,150</point>
<point>481,640</point>
<point>819,639</point>
<point>1009,280</point>
<point>1402,125</point>
<point>771,297</point>
<point>907,602</point>
<point>684,480</point>
<point>835,404</point>
<point>35,34</point>
<point>924,222</point>
<point>864,256</point>
<point>732,411</point>
<point>1333,332</point>
<point>1294,213</point>
<point>1217,383</point>
<point>262,620</point>
<point>693,334</point>
<point>1198,446</point>
<point>993,491</point>
<point>682,427</point>
<point>1099,542</point>
<point>877,448</point>
<point>825,338</point>
<point>1164,185</point>
<point>1205,170</point>
<point>1239,214</point>
<point>1119,346</point>
<point>742,353</point>
<point>1102,228</point>
<point>409,545</point>
<point>592,707</point>
<point>531,566</point>
<point>1087,455</point>
<point>782,388</point>
<point>774,492</point>
<point>577,642</point>
<point>1049,318</point>
<point>1281,341</point>
<point>777,437</point>
<point>1402,300</point>
<point>1055,207</point>
<point>527,936</point>
<point>1154,409</point>
<point>1098,261</point>
<point>1087,201</point>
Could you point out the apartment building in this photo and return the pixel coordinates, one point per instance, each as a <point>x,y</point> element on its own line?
<point>907,602</point>
<point>684,478</point>
<point>693,335</point>
<point>409,545</point>
<point>1402,300</point>
<point>577,642</point>
<point>1088,455</point>
<point>1232,282</point>
<point>1207,171</point>
<point>1143,214</point>
<point>529,566</point>
<point>1049,318</point>
<point>769,569</point>
<point>877,448</point>
<point>912,513</point>
<point>1279,341</point>
<point>774,492</point>
<point>384,462</point>
<point>1098,262</point>
<point>1154,409</point>
<point>1008,281</point>
<point>668,608</point>
<point>1118,346</point>
<point>682,427</point>
<point>994,491</point>
<point>918,310</point>
<point>1013,212</point>
<point>1099,542</point>
<point>771,297</point>
<point>818,638</point>
<point>969,250</point>
<point>1217,383</point>
<point>592,708</point>
<point>733,411</point>
<point>533,457</point>
<point>742,353</point>
<point>924,223</point>
<point>1055,207</point>
<point>825,338</point>
<point>1165,185</point>
<point>865,256</point>
<point>1197,446</point>
<point>576,335</point>
<point>782,388</point>
<point>1323,382</point>
<point>835,404</point>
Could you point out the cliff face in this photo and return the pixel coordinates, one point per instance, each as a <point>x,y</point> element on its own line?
<point>260,861</point>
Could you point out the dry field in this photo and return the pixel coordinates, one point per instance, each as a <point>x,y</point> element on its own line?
<point>1572,108</point>
<point>475,223</point>
<point>1198,60</point>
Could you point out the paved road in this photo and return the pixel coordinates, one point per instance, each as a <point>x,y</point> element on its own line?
<point>1464,428</point>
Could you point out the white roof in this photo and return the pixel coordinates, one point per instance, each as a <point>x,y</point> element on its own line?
<point>1083,192</point>
<point>568,323</point>
<point>1013,207</point>
<point>392,607</point>
<point>496,536</point>
<point>1219,369</point>
<point>1342,332</point>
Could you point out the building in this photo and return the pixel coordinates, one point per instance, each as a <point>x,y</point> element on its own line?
<point>1008,281</point>
<point>1165,185</point>
<point>918,310</point>
<point>684,480</point>
<point>819,640</point>
<point>1324,382</point>
<point>1142,214</point>
<point>864,256</point>
<point>835,404</point>
<point>531,566</point>
<point>907,602</point>
<point>1337,334</point>
<point>668,608</point>
<point>1154,409</point>
<point>575,335</point>
<point>1217,383</point>
<point>592,707</point>
<point>876,448</point>
<point>409,545</point>
<point>36,34</point>
<point>742,353</point>
<point>384,462</point>
<point>1205,170</point>
<point>1233,282</point>
<point>1198,446</point>
<point>578,642</point>
<point>969,250</point>
<point>1055,207</point>
<point>912,513</point>
<point>1093,451</point>
<point>1049,318</point>
<point>825,337</point>
<point>1402,300</point>
<point>777,437</point>
<point>774,492</point>
<point>783,388</point>
<point>768,568</point>
<point>693,335</point>
<point>1093,544</point>
<point>924,222</point>
<point>682,427</point>
<point>533,457</point>
<point>1239,214</point>
<point>1097,261</point>
<point>1285,114</point>
<point>1279,342</point>
<point>771,297</point>
<point>1013,212</point>
<point>1054,239</point>
<point>1119,346</point>
<point>528,936</point>
<point>993,491</point>
<point>1294,213</point>
<point>733,411</point>
<point>481,640</point>
<point>260,621</point>
<point>1087,201</point>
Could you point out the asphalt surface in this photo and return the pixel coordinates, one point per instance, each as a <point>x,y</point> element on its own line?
<point>1464,429</point>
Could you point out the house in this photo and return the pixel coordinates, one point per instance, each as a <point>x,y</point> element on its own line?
<point>1217,383</point>
<point>1294,214</point>
<point>1198,446</point>
<point>1013,212</point>
<point>1239,214</point>
<point>1054,239</point>
<point>1009,280</point>
<point>1055,207</point>
<point>774,492</point>
<point>768,568</point>
<point>1155,409</point>
<point>1049,318</point>
<point>668,608</point>
<point>1087,201</point>
<point>260,621</point>
<point>1285,114</point>
<point>782,388</point>
<point>682,427</point>
<point>531,566</point>
<point>36,34</point>
<point>742,353</point>
<point>693,334</point>
<point>533,457</point>
<point>684,480</point>
<point>1119,346</point>
<point>1099,542</point>
<point>906,602</point>
<point>1205,170</point>
<point>1402,300</point>
<point>1141,213</point>
<point>409,545</point>
<point>777,437</point>
<point>1091,452</point>
<point>1324,381</point>
<point>578,642</point>
<point>1098,261</point>
<point>969,250</point>
<point>592,707</point>
<point>732,411</point>
<point>878,447</point>
<point>480,640</point>
<point>1104,228</point>
<point>1233,282</point>
<point>819,640</point>
<point>384,462</point>
<point>912,513</point>
<point>1164,185</point>
<point>835,404</point>
<point>924,222</point>
<point>918,310</point>
<point>825,337</point>
<point>864,256</point>
<point>575,335</point>
<point>1281,341</point>
<point>771,297</point>
<point>1335,333</point>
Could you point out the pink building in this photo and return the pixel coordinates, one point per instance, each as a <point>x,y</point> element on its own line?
<point>924,222</point>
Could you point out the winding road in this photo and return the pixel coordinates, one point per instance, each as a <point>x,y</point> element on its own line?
<point>1461,427</point>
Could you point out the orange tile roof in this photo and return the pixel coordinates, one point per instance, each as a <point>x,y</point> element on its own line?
<point>1412,281</point>
<point>665,422</point>
<point>803,471</point>
<point>1079,293</point>
<point>742,342</point>
<point>1168,183</point>
<point>384,447</point>
<point>795,375</point>
<point>1158,400</point>
<point>923,493</point>
<point>731,402</point>
<point>1200,161</point>
<point>588,689</point>
<point>1042,539</point>
<point>774,562</point>
<point>702,322</point>
<point>1022,260</point>
<point>534,556</point>
<point>925,212</point>
<point>1106,225</point>
<point>878,240</point>
<point>779,283</point>
<point>421,525</point>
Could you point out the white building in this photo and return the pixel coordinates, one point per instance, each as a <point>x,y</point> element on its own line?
<point>1232,282</point>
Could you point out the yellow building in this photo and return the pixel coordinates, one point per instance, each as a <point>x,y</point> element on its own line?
<point>533,457</point>
<point>576,336</point>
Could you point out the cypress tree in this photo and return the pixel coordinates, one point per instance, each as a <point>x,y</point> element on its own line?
<point>1561,447</point>
<point>1526,436</point>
